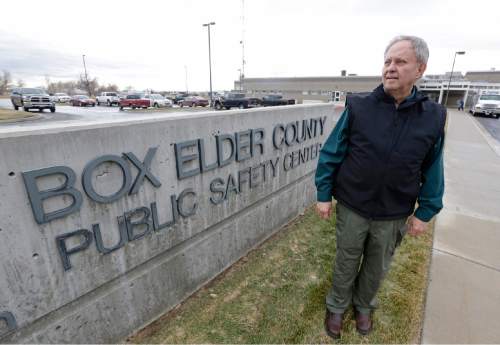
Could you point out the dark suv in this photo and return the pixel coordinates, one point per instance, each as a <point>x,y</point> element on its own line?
<point>29,98</point>
<point>233,99</point>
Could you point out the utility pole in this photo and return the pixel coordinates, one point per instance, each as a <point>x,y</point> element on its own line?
<point>86,76</point>
<point>241,79</point>
<point>208,25</point>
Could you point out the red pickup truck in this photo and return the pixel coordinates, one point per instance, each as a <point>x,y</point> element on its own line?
<point>134,101</point>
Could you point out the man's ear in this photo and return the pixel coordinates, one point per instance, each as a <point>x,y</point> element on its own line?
<point>421,69</point>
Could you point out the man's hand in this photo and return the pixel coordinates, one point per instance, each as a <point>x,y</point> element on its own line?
<point>324,209</point>
<point>416,226</point>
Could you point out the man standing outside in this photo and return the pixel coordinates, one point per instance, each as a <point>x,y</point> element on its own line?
<point>384,155</point>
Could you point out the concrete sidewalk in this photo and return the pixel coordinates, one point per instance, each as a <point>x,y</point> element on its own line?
<point>463,298</point>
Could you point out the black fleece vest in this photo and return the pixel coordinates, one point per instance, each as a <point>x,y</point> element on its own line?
<point>380,176</point>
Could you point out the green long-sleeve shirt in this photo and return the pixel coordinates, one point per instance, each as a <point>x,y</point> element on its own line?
<point>335,148</point>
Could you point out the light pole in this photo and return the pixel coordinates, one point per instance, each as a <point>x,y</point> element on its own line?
<point>241,79</point>
<point>86,77</point>
<point>208,25</point>
<point>451,75</point>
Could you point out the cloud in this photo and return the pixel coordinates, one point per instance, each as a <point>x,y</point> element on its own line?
<point>28,60</point>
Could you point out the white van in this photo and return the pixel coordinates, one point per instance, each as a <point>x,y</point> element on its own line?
<point>487,104</point>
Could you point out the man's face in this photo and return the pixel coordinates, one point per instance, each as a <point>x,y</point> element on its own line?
<point>401,69</point>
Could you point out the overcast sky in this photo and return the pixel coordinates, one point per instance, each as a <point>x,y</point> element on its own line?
<point>152,44</point>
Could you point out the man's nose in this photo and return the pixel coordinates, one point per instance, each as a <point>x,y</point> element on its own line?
<point>391,67</point>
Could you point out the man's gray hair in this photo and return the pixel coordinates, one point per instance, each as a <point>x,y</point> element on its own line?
<point>419,46</point>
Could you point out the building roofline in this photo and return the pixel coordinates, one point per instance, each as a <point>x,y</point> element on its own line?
<point>311,78</point>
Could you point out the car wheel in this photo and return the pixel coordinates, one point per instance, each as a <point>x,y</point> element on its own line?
<point>26,109</point>
<point>193,104</point>
<point>98,103</point>
<point>227,108</point>
<point>241,106</point>
<point>156,105</point>
<point>93,104</point>
<point>121,108</point>
<point>218,106</point>
<point>133,107</point>
<point>109,103</point>
<point>53,109</point>
<point>15,107</point>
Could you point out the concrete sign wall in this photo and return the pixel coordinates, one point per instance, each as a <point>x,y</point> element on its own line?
<point>103,228</point>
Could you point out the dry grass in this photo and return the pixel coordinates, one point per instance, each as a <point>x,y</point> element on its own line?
<point>11,114</point>
<point>276,295</point>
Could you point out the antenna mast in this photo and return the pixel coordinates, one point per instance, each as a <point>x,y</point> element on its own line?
<point>243,62</point>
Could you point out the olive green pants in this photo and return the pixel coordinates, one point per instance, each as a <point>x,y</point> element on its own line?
<point>364,253</point>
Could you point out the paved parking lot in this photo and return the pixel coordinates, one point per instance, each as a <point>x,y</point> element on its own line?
<point>104,113</point>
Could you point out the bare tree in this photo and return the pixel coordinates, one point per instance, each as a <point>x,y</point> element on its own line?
<point>21,83</point>
<point>91,85</point>
<point>5,80</point>
<point>47,81</point>
<point>107,88</point>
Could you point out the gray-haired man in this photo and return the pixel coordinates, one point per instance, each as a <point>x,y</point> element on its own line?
<point>384,155</point>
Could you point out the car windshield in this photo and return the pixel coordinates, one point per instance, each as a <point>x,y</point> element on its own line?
<point>490,98</point>
<point>112,94</point>
<point>31,91</point>
<point>82,97</point>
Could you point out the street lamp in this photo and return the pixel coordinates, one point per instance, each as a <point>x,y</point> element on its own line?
<point>451,75</point>
<point>208,25</point>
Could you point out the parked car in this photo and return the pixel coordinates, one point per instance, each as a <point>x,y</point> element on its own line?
<point>108,98</point>
<point>233,99</point>
<point>194,101</point>
<point>62,97</point>
<point>179,97</point>
<point>488,104</point>
<point>30,98</point>
<point>274,100</point>
<point>158,101</point>
<point>135,101</point>
<point>82,101</point>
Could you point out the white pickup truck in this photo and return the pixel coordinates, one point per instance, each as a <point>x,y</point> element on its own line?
<point>488,104</point>
<point>108,98</point>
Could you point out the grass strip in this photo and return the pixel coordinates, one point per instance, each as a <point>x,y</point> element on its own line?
<point>276,294</point>
<point>11,114</point>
